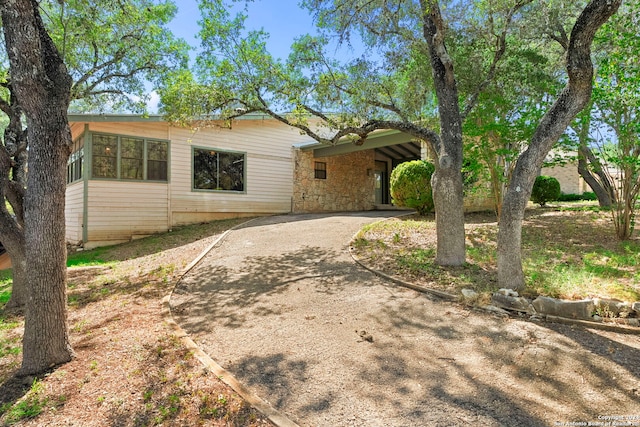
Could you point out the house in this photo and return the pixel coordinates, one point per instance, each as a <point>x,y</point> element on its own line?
<point>132,176</point>
<point>566,172</point>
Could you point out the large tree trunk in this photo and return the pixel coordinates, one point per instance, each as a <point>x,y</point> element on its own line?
<point>447,179</point>
<point>571,101</point>
<point>42,86</point>
<point>46,341</point>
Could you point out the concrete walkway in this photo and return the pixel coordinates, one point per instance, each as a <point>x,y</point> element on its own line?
<point>281,305</point>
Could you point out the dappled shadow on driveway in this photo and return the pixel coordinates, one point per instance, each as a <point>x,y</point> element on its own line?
<point>287,320</point>
<point>219,294</point>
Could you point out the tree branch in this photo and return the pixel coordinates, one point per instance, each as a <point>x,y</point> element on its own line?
<point>501,47</point>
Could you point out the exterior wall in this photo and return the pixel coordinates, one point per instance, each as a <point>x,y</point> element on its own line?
<point>74,212</point>
<point>349,185</point>
<point>570,181</point>
<point>158,130</point>
<point>479,199</point>
<point>269,171</point>
<point>122,210</point>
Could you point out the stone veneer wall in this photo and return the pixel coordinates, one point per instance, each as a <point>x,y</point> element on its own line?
<point>349,185</point>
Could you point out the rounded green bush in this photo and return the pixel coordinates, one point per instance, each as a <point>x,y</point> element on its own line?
<point>411,185</point>
<point>545,189</point>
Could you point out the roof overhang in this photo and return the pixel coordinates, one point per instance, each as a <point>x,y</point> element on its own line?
<point>390,143</point>
<point>139,118</point>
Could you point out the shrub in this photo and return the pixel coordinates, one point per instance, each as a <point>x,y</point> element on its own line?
<point>411,185</point>
<point>587,195</point>
<point>545,189</point>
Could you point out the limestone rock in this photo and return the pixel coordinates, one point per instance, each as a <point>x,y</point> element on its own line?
<point>509,302</point>
<point>582,310</point>
<point>469,294</point>
<point>612,308</point>
<point>496,310</point>
<point>636,307</point>
<point>508,292</point>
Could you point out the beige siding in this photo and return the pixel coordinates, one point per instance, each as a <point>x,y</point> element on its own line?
<point>74,212</point>
<point>158,130</point>
<point>122,210</point>
<point>269,170</point>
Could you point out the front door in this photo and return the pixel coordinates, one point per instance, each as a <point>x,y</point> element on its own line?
<point>382,183</point>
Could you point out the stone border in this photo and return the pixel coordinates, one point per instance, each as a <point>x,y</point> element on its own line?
<point>620,325</point>
<point>275,416</point>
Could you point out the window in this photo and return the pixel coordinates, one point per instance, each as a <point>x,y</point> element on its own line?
<point>320,169</point>
<point>218,170</point>
<point>105,156</point>
<point>130,158</point>
<point>157,160</point>
<point>75,164</point>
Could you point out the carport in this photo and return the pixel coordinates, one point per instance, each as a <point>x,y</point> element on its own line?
<point>390,147</point>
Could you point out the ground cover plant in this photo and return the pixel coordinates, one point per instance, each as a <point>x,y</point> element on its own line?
<point>129,369</point>
<point>570,251</point>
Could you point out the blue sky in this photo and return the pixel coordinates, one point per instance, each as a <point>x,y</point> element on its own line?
<point>282,19</point>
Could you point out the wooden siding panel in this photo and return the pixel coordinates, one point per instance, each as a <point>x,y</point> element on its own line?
<point>74,210</point>
<point>269,170</point>
<point>119,210</point>
<point>157,130</point>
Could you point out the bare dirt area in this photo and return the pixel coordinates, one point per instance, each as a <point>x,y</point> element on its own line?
<point>129,369</point>
<point>282,305</point>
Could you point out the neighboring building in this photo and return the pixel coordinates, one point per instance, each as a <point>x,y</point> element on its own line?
<point>566,172</point>
<point>130,176</point>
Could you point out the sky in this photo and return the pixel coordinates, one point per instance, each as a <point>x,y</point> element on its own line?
<point>282,19</point>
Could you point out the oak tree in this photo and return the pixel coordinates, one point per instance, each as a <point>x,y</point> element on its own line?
<point>112,50</point>
<point>405,80</point>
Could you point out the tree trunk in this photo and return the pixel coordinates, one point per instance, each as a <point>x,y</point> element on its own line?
<point>602,186</point>
<point>18,298</point>
<point>447,179</point>
<point>571,101</point>
<point>46,341</point>
<point>42,86</point>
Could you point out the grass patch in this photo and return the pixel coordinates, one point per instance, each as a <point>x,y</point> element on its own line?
<point>179,236</point>
<point>569,252</point>
<point>28,407</point>
<point>5,287</point>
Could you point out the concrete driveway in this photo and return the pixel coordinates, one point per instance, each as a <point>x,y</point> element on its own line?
<point>282,306</point>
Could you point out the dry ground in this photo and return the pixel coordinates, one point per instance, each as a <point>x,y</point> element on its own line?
<point>128,370</point>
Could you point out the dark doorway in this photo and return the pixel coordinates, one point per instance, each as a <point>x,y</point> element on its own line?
<point>382,183</point>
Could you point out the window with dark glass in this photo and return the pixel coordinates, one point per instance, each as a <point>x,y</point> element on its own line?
<point>105,156</point>
<point>75,164</point>
<point>157,160</point>
<point>320,169</point>
<point>130,158</point>
<point>218,170</point>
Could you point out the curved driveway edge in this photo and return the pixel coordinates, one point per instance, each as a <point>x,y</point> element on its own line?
<point>283,307</point>
<point>275,416</point>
